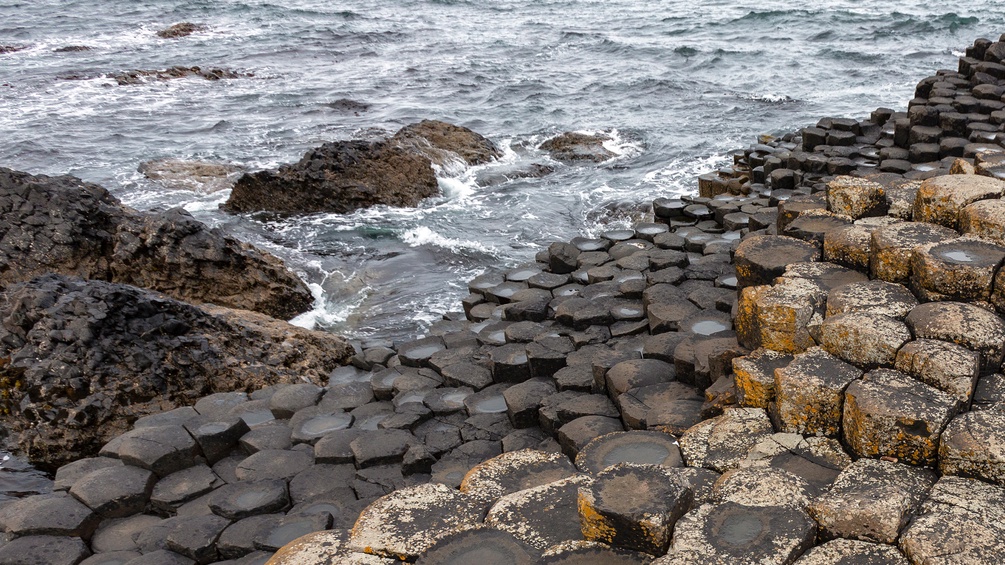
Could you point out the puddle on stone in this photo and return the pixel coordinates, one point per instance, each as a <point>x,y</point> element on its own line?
<point>708,327</point>
<point>423,352</point>
<point>385,381</point>
<point>958,255</point>
<point>522,274</point>
<point>455,399</point>
<point>629,277</point>
<point>324,424</point>
<point>496,337</point>
<point>644,453</point>
<point>348,374</point>
<point>729,282</point>
<point>740,529</point>
<point>251,499</point>
<point>370,423</point>
<point>213,428</point>
<point>619,235</point>
<point>411,396</point>
<point>491,405</point>
<point>288,532</point>
<point>504,291</point>
<point>257,417</point>
<point>730,235</point>
<point>626,313</point>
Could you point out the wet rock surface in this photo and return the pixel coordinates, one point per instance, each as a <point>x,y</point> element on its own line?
<point>64,225</point>
<point>752,391</point>
<point>64,395</point>
<point>574,147</point>
<point>343,176</point>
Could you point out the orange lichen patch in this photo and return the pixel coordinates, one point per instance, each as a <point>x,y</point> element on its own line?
<point>754,376</point>
<point>595,526</point>
<point>779,317</point>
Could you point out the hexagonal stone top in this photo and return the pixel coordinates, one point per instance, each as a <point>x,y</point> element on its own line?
<point>941,198</point>
<point>407,522</point>
<point>760,259</point>
<point>515,471</point>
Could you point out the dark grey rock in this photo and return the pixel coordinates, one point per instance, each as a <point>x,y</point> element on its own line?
<point>196,537</point>
<point>48,550</point>
<point>274,464</point>
<point>114,492</point>
<point>48,515</point>
<point>249,498</point>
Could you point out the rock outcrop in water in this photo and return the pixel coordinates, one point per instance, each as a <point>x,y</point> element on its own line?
<point>199,176</point>
<point>575,147</point>
<point>64,225</point>
<point>82,360</point>
<point>171,73</point>
<point>343,176</point>
<point>441,142</point>
<point>182,29</point>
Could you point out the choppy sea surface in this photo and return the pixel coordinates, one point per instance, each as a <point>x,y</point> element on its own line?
<point>675,84</point>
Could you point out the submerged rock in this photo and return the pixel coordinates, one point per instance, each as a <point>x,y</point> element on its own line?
<point>200,176</point>
<point>343,176</point>
<point>65,225</point>
<point>84,359</point>
<point>141,76</point>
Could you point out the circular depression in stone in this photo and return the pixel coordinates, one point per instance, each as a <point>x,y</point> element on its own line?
<point>619,235</point>
<point>971,253</point>
<point>521,275</point>
<point>639,446</point>
<point>491,405</point>
<point>698,211</point>
<point>707,323</point>
<point>320,425</point>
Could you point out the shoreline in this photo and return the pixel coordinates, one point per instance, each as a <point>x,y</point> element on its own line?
<point>656,328</point>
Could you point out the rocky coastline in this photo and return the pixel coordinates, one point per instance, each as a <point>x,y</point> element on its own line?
<point>801,364</point>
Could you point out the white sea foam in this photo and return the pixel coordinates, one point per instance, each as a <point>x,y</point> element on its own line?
<point>423,235</point>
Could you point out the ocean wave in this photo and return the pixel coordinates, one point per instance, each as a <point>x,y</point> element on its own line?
<point>423,235</point>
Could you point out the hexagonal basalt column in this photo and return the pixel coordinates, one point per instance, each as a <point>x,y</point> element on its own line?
<point>973,445</point>
<point>864,339</point>
<point>515,471</point>
<point>810,393</point>
<point>734,533</point>
<point>965,324</point>
<point>844,551</point>
<point>871,500</point>
<point>963,521</point>
<point>760,259</point>
<point>951,368</point>
<point>856,197</point>
<point>814,225</point>
<point>755,376</point>
<point>722,442</point>
<point>633,506</point>
<point>940,199</point>
<point>407,522</point>
<point>891,248</point>
<point>779,317</point>
<point>541,516</point>
<point>984,219</point>
<point>851,245</point>
<point>888,413</point>
<point>874,297</point>
<point>958,269</point>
